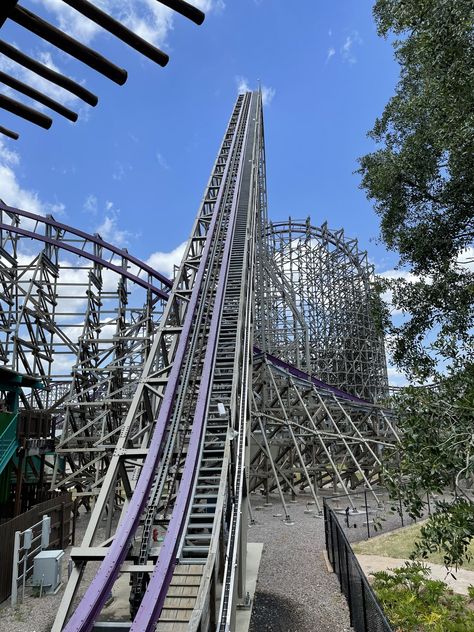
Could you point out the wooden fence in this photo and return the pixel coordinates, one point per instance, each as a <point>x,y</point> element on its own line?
<point>61,511</point>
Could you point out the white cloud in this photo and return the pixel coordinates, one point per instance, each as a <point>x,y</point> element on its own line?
<point>347,52</point>
<point>121,169</point>
<point>109,229</point>
<point>164,262</point>
<point>162,161</point>
<point>35,81</point>
<point>331,53</point>
<point>11,191</point>
<point>243,85</point>
<point>90,205</point>
<point>209,6</point>
<point>399,274</point>
<point>147,18</point>
<point>396,274</point>
<point>396,378</point>
<point>267,95</point>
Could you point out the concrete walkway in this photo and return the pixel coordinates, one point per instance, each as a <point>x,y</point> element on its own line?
<point>372,563</point>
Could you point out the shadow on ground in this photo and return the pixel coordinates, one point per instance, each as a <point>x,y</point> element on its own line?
<point>274,613</point>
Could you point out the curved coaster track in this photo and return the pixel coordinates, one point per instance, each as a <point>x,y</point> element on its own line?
<point>259,368</point>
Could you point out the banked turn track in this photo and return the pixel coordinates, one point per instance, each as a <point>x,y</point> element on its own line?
<point>189,475</point>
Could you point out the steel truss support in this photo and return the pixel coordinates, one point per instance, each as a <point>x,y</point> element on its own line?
<point>313,436</point>
<point>171,416</point>
<point>202,346</point>
<point>318,308</point>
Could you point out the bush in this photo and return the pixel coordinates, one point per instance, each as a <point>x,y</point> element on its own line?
<point>415,603</point>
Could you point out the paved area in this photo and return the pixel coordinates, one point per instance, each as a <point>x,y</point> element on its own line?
<point>254,556</point>
<point>295,590</point>
<point>373,563</point>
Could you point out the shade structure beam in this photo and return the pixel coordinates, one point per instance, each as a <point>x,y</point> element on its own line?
<point>40,27</point>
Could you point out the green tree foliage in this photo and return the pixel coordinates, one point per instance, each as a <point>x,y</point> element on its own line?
<point>421,178</point>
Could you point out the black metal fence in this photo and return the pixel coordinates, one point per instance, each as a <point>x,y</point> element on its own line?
<point>365,611</point>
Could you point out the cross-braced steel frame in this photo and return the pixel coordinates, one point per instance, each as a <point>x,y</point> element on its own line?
<point>318,307</point>
<point>80,314</point>
<point>259,368</point>
<point>310,436</point>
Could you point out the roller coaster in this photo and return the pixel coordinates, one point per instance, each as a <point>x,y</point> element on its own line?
<point>258,369</point>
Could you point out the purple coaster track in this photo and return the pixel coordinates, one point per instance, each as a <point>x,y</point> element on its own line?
<point>153,600</point>
<point>97,592</point>
<point>93,239</point>
<point>298,373</point>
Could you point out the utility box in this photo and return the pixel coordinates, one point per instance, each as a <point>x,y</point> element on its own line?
<point>47,571</point>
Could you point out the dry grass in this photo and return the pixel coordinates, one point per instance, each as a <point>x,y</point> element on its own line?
<point>400,544</point>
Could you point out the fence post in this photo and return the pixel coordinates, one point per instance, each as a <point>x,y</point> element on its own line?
<point>16,559</point>
<point>339,557</point>
<point>401,509</point>
<point>331,518</point>
<point>45,531</point>
<point>349,589</point>
<point>61,526</point>
<point>74,518</point>
<point>367,515</point>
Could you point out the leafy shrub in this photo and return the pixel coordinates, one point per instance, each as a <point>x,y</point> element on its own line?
<point>415,603</point>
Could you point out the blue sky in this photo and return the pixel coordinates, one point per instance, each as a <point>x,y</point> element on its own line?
<point>134,168</point>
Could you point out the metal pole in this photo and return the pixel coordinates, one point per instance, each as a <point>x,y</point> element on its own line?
<point>367,514</point>
<point>16,559</point>
<point>401,509</point>
<point>25,560</point>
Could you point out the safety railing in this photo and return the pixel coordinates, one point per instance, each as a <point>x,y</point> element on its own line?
<point>366,613</point>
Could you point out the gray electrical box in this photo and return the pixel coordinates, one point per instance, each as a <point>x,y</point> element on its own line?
<point>47,570</point>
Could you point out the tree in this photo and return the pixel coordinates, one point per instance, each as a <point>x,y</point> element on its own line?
<point>421,179</point>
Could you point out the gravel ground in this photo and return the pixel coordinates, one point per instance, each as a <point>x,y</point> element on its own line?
<point>295,590</point>
<point>381,512</point>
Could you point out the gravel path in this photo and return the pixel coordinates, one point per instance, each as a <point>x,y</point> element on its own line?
<point>295,590</point>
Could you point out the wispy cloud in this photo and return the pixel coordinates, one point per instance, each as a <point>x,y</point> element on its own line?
<point>148,18</point>
<point>268,93</point>
<point>395,377</point>
<point>242,84</point>
<point>13,193</point>
<point>347,49</point>
<point>90,205</point>
<point>162,161</point>
<point>331,53</point>
<point>109,228</point>
<point>120,170</point>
